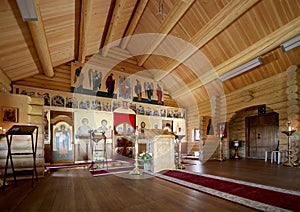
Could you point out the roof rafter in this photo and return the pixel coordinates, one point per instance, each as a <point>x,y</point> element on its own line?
<point>136,17</point>
<point>40,42</point>
<point>233,10</point>
<point>259,48</point>
<point>169,22</point>
<point>86,13</point>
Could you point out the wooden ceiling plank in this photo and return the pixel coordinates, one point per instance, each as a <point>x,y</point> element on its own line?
<point>40,42</point>
<point>136,17</point>
<point>232,11</point>
<point>4,80</point>
<point>113,25</point>
<point>169,22</point>
<point>86,13</point>
<point>263,46</point>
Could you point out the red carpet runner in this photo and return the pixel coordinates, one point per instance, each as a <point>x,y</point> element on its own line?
<point>274,198</point>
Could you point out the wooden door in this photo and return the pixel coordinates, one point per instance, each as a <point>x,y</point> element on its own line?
<point>263,134</point>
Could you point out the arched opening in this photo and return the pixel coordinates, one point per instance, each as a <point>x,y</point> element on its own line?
<point>257,128</point>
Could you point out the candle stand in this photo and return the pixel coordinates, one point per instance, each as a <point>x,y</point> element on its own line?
<point>221,156</point>
<point>136,170</point>
<point>236,145</point>
<point>179,164</point>
<point>289,161</point>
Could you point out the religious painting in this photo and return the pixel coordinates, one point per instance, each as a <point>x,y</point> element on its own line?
<point>168,123</point>
<point>96,105</point>
<point>147,91</point>
<point>105,125</point>
<point>71,102</point>
<point>124,88</point>
<point>58,101</point>
<point>83,130</point>
<point>132,106</point>
<point>140,110</point>
<point>138,90</point>
<point>84,104</point>
<point>159,94</point>
<point>86,79</point>
<point>116,105</point>
<point>110,85</point>
<point>148,111</point>
<point>62,142</point>
<point>9,114</point>
<point>170,113</point>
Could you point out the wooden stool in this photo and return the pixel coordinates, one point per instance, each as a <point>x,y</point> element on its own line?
<point>273,157</point>
<point>266,155</point>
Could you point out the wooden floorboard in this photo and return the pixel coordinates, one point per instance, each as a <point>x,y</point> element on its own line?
<point>78,190</point>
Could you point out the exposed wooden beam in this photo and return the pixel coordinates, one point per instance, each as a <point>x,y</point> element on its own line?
<point>40,42</point>
<point>5,81</point>
<point>232,11</point>
<point>136,17</point>
<point>259,48</point>
<point>113,25</point>
<point>86,13</point>
<point>169,22</point>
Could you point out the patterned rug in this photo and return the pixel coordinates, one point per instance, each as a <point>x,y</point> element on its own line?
<point>260,197</point>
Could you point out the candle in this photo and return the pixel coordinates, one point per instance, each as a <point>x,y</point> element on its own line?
<point>289,126</point>
<point>1,130</point>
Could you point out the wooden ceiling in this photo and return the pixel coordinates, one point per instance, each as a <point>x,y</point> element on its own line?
<point>185,44</point>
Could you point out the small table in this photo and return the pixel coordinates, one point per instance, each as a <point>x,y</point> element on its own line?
<point>21,130</point>
<point>96,138</point>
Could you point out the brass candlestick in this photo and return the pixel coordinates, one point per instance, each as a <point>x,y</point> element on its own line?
<point>179,165</point>
<point>289,161</point>
<point>221,156</point>
<point>136,170</point>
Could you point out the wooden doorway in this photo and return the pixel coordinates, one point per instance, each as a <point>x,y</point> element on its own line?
<point>262,134</point>
<point>61,143</point>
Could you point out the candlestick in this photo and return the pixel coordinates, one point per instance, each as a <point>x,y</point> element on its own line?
<point>289,126</point>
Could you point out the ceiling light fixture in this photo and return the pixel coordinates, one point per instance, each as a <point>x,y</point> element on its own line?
<point>293,43</point>
<point>247,66</point>
<point>28,10</point>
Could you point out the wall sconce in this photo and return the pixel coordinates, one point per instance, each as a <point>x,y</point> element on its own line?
<point>237,71</point>
<point>293,43</point>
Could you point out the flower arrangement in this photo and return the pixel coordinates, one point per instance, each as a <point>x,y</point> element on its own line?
<point>94,132</point>
<point>146,157</point>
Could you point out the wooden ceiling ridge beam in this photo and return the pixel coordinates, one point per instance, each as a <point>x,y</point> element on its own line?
<point>86,13</point>
<point>134,22</point>
<point>113,25</point>
<point>40,42</point>
<point>261,47</point>
<point>230,13</point>
<point>168,24</point>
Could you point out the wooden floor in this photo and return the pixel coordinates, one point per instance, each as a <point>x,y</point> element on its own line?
<point>76,189</point>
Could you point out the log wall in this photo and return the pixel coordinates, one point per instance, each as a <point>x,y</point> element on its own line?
<point>279,93</point>
<point>30,111</point>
